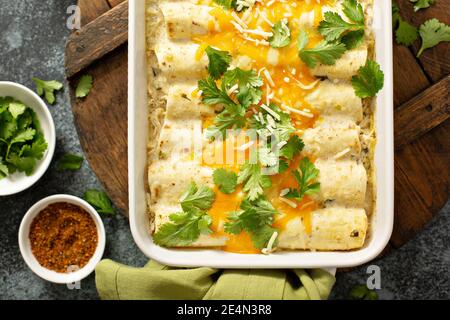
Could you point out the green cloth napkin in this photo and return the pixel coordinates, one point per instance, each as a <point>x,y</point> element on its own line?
<point>155,282</point>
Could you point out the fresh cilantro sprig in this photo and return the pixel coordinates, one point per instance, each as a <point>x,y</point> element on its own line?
<point>248,82</point>
<point>361,292</point>
<point>306,179</point>
<point>225,180</point>
<point>281,34</point>
<point>324,52</point>
<point>335,28</point>
<point>369,80</point>
<point>185,227</point>
<point>219,62</point>
<point>84,86</point>
<point>283,128</point>
<point>255,217</point>
<point>422,4</point>
<point>212,94</point>
<point>281,133</point>
<point>254,180</point>
<point>22,143</point>
<point>245,85</point>
<point>292,148</point>
<point>200,198</point>
<point>405,33</point>
<point>432,33</point>
<point>99,200</point>
<point>70,161</point>
<point>47,88</point>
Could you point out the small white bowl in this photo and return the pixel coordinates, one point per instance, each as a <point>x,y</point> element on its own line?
<point>19,181</point>
<point>25,245</point>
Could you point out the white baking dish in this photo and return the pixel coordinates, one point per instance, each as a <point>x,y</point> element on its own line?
<point>381,222</point>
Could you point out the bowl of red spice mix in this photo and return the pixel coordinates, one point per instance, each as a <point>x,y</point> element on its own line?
<point>62,238</point>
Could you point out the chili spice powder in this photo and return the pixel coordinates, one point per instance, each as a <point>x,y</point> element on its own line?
<point>63,235</point>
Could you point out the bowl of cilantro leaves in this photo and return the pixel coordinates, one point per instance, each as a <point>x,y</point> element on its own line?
<point>27,138</point>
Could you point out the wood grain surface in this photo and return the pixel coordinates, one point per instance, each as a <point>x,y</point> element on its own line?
<point>421,94</point>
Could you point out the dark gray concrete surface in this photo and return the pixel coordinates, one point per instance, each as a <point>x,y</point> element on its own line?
<point>32,38</point>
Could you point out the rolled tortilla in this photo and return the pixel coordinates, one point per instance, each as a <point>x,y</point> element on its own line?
<point>183,103</point>
<point>167,183</point>
<point>179,61</point>
<point>342,182</point>
<point>345,67</point>
<point>336,99</point>
<point>332,137</point>
<point>184,20</point>
<point>331,229</point>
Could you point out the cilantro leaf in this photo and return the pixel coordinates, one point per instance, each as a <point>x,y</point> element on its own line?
<point>406,34</point>
<point>255,217</point>
<point>369,80</point>
<point>306,178</point>
<point>227,4</point>
<point>232,117</point>
<point>211,94</point>
<point>283,124</point>
<point>184,228</point>
<point>225,180</point>
<point>84,86</point>
<point>281,34</point>
<point>354,11</point>
<point>37,149</point>
<point>293,147</point>
<point>219,61</point>
<point>353,39</point>
<point>21,163</point>
<point>197,198</point>
<point>267,157</point>
<point>99,200</point>
<point>254,180</point>
<point>70,161</point>
<point>432,33</point>
<point>334,27</point>
<point>421,4</point>
<point>325,52</point>
<point>47,88</point>
<point>23,136</point>
<point>361,292</point>
<point>249,84</point>
<point>16,108</point>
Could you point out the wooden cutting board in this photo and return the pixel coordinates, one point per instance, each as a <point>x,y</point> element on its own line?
<point>422,132</point>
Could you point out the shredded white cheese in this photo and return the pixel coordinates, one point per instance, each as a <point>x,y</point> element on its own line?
<point>233,89</point>
<point>269,248</point>
<point>269,78</point>
<point>264,17</point>
<point>271,112</point>
<point>245,146</point>
<point>284,192</point>
<point>305,86</point>
<point>342,153</point>
<point>238,20</point>
<point>288,202</point>
<point>300,112</point>
<point>258,32</point>
<point>281,144</point>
